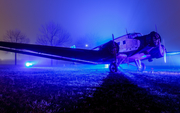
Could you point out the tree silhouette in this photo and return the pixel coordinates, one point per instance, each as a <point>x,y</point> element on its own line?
<point>52,34</point>
<point>15,36</point>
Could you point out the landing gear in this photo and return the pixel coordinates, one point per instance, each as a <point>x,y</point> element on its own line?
<point>140,66</point>
<point>113,67</point>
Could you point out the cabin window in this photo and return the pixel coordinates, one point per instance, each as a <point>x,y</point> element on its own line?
<point>124,42</point>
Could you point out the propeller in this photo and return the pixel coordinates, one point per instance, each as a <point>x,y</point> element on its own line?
<point>162,47</point>
<point>114,47</point>
<point>164,51</point>
<point>164,56</point>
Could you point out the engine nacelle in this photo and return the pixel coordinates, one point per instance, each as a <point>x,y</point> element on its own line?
<point>109,48</point>
<point>153,39</point>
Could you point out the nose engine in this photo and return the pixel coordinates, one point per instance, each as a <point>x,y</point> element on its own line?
<point>153,39</point>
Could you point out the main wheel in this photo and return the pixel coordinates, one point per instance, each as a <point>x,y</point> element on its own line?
<point>142,68</point>
<point>113,67</point>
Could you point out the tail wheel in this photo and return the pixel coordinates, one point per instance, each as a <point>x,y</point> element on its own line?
<point>113,67</point>
<point>142,67</point>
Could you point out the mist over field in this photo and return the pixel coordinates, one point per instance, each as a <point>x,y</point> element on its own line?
<point>74,87</point>
<point>93,21</point>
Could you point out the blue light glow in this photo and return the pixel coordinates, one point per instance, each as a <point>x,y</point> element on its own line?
<point>86,45</point>
<point>29,64</point>
<point>144,56</point>
<point>106,65</point>
<point>73,46</point>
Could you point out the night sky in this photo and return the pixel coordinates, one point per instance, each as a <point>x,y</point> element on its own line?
<point>98,17</point>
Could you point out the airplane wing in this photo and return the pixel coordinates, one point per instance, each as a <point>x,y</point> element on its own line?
<point>173,53</point>
<point>62,53</point>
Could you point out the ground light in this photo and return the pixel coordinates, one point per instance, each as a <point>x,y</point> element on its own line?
<point>29,64</point>
<point>106,65</point>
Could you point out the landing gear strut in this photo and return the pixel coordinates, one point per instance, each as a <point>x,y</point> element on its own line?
<point>113,66</point>
<point>140,66</point>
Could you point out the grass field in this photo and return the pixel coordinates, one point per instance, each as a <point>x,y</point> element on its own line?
<point>82,88</point>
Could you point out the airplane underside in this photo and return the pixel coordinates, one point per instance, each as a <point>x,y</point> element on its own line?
<point>114,66</point>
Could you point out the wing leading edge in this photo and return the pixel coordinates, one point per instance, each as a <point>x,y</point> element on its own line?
<point>62,53</point>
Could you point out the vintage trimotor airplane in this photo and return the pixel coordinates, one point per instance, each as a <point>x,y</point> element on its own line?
<point>132,47</point>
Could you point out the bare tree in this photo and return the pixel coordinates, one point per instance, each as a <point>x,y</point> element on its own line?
<point>52,34</point>
<point>15,36</point>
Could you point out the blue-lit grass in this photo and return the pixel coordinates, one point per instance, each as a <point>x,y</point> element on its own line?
<point>75,87</point>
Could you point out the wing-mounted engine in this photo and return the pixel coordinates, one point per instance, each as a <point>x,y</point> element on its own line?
<point>110,48</point>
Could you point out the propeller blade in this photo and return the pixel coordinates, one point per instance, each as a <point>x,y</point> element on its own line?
<point>156,28</point>
<point>113,37</point>
<point>164,55</point>
<point>114,47</point>
<point>163,43</point>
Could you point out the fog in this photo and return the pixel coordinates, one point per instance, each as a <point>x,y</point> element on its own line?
<point>95,19</point>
